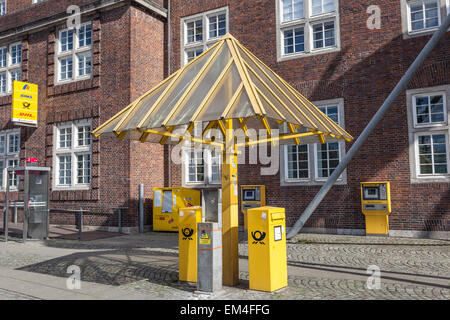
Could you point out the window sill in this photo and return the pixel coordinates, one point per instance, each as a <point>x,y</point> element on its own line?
<point>308,54</point>
<point>431,179</point>
<point>309,183</point>
<point>79,188</point>
<point>420,33</point>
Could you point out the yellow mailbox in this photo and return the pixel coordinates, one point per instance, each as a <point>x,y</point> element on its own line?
<point>187,242</point>
<point>166,205</point>
<point>267,260</point>
<point>252,196</point>
<point>376,206</point>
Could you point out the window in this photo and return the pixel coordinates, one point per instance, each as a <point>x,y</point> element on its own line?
<point>297,162</point>
<point>74,54</point>
<point>429,134</point>
<point>9,156</point>
<point>37,1</point>
<point>201,31</point>
<point>307,27</point>
<point>314,163</point>
<point>202,166</point>
<point>433,154</point>
<point>423,15</point>
<point>10,67</point>
<point>2,7</point>
<point>429,109</point>
<point>73,156</point>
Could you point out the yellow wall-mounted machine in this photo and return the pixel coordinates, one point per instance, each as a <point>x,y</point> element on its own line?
<point>166,205</point>
<point>252,196</point>
<point>376,206</point>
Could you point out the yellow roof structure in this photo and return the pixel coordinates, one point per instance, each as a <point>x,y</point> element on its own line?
<point>225,82</point>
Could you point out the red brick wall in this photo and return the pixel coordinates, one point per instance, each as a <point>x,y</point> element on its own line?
<point>363,72</point>
<point>146,71</point>
<point>119,75</point>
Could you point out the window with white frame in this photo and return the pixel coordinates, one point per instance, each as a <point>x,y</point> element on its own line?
<point>10,66</point>
<point>314,163</point>
<point>74,54</point>
<point>201,31</point>
<point>429,131</point>
<point>421,17</point>
<point>2,7</point>
<point>9,156</point>
<point>37,1</point>
<point>72,155</point>
<point>202,166</point>
<point>307,27</point>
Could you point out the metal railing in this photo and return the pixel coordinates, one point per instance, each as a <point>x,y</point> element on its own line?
<point>79,214</point>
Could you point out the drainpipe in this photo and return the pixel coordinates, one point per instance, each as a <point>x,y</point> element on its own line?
<point>370,127</point>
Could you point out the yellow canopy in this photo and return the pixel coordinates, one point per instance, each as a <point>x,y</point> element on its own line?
<point>225,82</point>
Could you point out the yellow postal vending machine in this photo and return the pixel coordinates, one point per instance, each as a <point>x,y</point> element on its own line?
<point>267,258</point>
<point>376,206</point>
<point>187,243</point>
<point>166,205</point>
<point>252,196</point>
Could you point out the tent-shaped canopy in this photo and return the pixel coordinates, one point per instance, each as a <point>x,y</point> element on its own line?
<point>225,82</point>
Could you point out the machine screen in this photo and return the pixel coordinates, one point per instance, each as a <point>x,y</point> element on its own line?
<point>249,195</point>
<point>371,193</point>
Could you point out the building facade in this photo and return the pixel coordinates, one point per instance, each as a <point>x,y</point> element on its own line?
<point>85,76</point>
<point>344,56</point>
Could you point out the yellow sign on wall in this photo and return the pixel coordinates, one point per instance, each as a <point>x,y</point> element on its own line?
<point>24,103</point>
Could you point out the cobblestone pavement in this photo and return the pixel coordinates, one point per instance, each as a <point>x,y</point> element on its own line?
<point>319,266</point>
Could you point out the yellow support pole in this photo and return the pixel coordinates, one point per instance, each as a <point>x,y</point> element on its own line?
<point>230,212</point>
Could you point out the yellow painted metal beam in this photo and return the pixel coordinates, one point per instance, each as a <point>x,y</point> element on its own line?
<point>222,127</point>
<point>194,84</point>
<point>164,139</point>
<point>177,136</point>
<point>233,100</point>
<point>144,137</point>
<point>293,131</point>
<point>279,138</point>
<point>121,135</point>
<point>230,213</point>
<point>257,106</point>
<point>266,126</point>
<point>272,106</point>
<point>211,92</point>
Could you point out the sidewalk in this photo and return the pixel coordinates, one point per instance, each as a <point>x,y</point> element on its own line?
<point>145,266</point>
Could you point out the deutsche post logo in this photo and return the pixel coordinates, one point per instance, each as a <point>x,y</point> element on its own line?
<point>258,236</point>
<point>187,233</point>
<point>26,105</point>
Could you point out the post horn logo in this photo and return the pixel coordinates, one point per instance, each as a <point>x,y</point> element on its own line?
<point>187,233</point>
<point>258,236</point>
<point>26,105</point>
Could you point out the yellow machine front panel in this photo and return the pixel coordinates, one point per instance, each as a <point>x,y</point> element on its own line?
<point>252,196</point>
<point>376,206</point>
<point>166,205</point>
<point>267,257</point>
<point>187,243</point>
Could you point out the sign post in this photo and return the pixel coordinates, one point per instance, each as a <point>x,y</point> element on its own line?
<point>24,109</point>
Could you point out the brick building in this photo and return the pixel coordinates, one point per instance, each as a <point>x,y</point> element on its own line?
<point>84,77</point>
<point>326,49</point>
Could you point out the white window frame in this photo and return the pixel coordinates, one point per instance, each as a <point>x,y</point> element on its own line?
<point>206,40</point>
<point>73,151</point>
<point>426,129</point>
<point>7,156</point>
<point>207,171</point>
<point>307,22</point>
<point>74,53</point>
<point>406,18</point>
<point>37,1</point>
<point>416,150</point>
<point>10,68</point>
<point>313,176</point>
<point>431,124</point>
